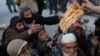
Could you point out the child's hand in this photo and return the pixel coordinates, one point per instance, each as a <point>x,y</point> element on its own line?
<point>36,27</point>
<point>49,44</point>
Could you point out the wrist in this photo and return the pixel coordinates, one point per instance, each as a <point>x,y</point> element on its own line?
<point>30,32</point>
<point>93,8</point>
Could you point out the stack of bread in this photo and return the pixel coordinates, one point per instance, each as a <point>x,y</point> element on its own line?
<point>74,13</point>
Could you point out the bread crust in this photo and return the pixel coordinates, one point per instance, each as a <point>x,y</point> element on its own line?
<point>74,13</point>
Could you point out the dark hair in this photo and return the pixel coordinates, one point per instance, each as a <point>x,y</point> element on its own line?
<point>89,45</point>
<point>97,22</point>
<point>14,20</point>
<point>22,10</point>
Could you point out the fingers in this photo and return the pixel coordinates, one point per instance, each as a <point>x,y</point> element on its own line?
<point>36,25</point>
<point>36,28</point>
<point>85,1</point>
<point>61,16</point>
<point>49,44</point>
<point>33,22</point>
<point>87,5</point>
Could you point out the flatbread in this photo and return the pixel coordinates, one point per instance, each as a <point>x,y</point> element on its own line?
<point>74,13</point>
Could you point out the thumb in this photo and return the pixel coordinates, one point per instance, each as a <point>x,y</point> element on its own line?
<point>33,22</point>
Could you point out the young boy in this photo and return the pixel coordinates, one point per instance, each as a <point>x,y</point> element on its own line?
<point>44,43</point>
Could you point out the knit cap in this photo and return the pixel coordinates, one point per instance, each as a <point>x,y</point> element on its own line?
<point>15,46</point>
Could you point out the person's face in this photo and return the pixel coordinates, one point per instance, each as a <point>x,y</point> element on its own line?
<point>70,48</point>
<point>95,41</point>
<point>20,26</point>
<point>26,53</point>
<point>43,36</point>
<point>27,14</point>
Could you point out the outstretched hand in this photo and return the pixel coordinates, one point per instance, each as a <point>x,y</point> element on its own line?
<point>87,5</point>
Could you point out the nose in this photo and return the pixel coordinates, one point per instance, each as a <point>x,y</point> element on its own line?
<point>22,26</point>
<point>30,15</point>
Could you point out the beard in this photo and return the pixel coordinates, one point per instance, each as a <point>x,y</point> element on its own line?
<point>28,20</point>
<point>21,30</point>
<point>66,54</point>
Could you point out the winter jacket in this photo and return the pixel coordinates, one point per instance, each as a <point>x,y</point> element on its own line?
<point>42,20</point>
<point>3,51</point>
<point>41,46</point>
<point>11,34</point>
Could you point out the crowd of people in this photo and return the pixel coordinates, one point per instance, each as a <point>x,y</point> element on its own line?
<point>26,35</point>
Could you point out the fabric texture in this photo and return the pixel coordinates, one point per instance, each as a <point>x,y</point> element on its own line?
<point>14,20</point>
<point>14,47</point>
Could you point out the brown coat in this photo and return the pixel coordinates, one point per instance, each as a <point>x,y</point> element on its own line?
<point>11,34</point>
<point>29,3</point>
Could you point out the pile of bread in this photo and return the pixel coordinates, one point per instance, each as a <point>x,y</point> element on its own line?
<point>74,13</point>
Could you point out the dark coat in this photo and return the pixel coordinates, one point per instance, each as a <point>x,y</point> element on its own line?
<point>33,53</point>
<point>42,20</point>
<point>41,46</point>
<point>11,34</point>
<point>40,4</point>
<point>3,51</point>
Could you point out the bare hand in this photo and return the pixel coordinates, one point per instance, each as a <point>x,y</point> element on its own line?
<point>87,5</point>
<point>49,44</point>
<point>36,28</point>
<point>61,16</point>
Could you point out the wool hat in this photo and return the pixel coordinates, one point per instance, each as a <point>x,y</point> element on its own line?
<point>23,9</point>
<point>68,37</point>
<point>14,20</point>
<point>15,46</point>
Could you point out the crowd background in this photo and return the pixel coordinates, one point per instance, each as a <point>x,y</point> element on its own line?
<point>91,19</point>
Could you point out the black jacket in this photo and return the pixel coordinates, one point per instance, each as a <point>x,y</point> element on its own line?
<point>42,20</point>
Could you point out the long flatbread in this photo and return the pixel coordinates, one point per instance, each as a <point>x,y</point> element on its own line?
<point>74,13</point>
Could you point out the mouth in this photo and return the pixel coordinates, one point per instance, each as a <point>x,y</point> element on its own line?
<point>46,38</point>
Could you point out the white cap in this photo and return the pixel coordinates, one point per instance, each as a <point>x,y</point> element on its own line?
<point>67,38</point>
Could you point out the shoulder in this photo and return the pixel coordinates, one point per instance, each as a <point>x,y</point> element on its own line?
<point>9,30</point>
<point>80,52</point>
